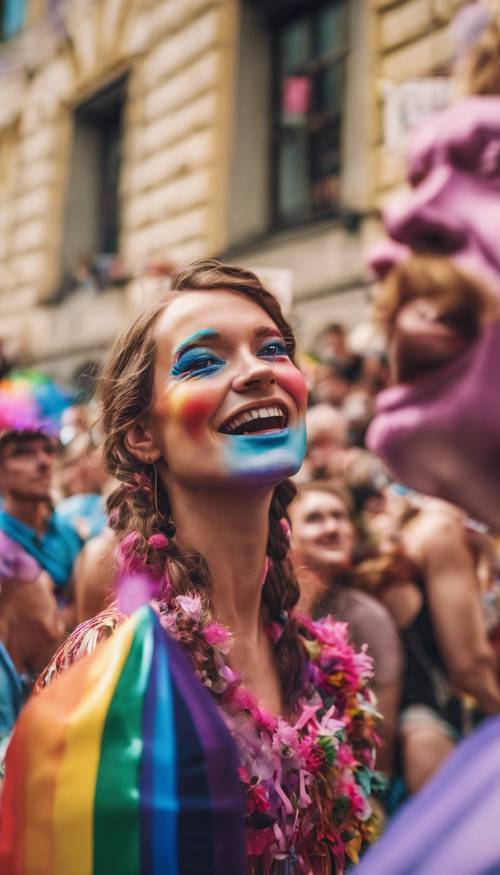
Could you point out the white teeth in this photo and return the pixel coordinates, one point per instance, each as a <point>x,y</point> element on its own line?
<point>254,413</point>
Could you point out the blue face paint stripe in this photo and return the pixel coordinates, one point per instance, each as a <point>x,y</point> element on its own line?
<point>259,458</point>
<point>194,338</point>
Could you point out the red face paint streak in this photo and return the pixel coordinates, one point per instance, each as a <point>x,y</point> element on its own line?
<point>193,407</point>
<point>292,381</point>
<point>195,413</point>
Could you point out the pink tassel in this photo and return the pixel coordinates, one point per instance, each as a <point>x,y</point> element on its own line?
<point>159,541</point>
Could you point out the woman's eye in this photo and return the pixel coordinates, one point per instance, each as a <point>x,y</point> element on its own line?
<point>196,364</point>
<point>202,363</point>
<point>274,349</point>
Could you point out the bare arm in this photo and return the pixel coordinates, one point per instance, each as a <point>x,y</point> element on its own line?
<point>32,623</point>
<point>453,594</point>
<point>95,573</point>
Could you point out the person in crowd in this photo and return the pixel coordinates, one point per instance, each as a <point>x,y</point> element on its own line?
<point>332,347</point>
<point>435,600</point>
<point>75,420</point>
<point>330,384</point>
<point>326,442</point>
<point>323,541</point>
<point>28,521</point>
<point>329,456</point>
<point>203,418</point>
<point>31,629</point>
<point>83,480</point>
<point>37,551</point>
<point>96,573</point>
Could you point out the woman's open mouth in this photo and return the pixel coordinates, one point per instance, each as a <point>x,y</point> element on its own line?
<point>257,420</point>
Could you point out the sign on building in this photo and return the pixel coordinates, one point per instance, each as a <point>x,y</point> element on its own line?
<point>409,104</point>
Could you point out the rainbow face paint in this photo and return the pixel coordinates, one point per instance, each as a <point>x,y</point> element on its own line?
<point>192,406</point>
<point>265,458</point>
<point>208,373</point>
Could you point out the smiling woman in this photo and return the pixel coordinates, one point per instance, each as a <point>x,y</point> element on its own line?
<point>204,420</point>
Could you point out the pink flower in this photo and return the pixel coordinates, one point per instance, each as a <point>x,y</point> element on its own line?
<point>218,636</point>
<point>242,699</point>
<point>285,738</point>
<point>308,716</point>
<point>345,757</point>
<point>304,798</point>
<point>312,754</point>
<point>256,799</point>
<point>191,605</point>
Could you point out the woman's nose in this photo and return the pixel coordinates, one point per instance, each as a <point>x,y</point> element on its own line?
<point>253,372</point>
<point>425,219</point>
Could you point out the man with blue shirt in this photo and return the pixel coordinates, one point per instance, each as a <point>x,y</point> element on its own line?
<point>37,553</point>
<point>27,517</point>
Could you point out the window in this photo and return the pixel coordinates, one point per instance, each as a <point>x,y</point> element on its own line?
<point>92,215</point>
<point>12,13</point>
<point>309,50</point>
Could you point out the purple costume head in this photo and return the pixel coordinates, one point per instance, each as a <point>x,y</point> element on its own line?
<point>438,428</point>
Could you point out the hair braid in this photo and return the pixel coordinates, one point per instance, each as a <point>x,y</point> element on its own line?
<point>281,594</point>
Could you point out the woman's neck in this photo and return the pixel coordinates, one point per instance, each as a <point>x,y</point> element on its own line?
<point>230,531</point>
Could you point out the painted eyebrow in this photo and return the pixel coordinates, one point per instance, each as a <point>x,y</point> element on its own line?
<point>195,338</point>
<point>269,332</point>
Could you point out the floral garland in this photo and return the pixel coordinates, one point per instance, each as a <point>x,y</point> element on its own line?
<point>307,784</point>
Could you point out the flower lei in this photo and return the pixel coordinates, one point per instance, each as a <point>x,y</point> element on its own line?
<point>307,783</point>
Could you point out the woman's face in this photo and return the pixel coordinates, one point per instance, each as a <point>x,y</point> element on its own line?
<point>229,405</point>
<point>322,532</point>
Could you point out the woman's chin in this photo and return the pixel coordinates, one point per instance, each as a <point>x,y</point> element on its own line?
<point>266,460</point>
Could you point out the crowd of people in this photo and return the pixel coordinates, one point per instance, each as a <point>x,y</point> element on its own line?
<point>250,596</point>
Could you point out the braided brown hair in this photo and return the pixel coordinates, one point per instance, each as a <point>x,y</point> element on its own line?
<point>139,508</point>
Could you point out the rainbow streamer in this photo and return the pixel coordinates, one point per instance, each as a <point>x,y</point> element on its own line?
<point>123,766</point>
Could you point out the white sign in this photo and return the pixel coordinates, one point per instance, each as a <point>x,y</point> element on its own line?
<point>409,104</point>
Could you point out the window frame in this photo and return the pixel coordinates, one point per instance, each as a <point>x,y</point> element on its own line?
<point>279,18</point>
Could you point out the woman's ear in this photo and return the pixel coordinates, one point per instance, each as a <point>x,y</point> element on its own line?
<point>141,443</point>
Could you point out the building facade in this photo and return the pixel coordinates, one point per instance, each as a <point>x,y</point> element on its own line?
<point>136,135</point>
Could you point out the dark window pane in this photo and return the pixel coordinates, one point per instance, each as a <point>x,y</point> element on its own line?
<point>330,29</point>
<point>325,166</point>
<point>111,162</point>
<point>329,89</point>
<point>295,49</point>
<point>293,181</point>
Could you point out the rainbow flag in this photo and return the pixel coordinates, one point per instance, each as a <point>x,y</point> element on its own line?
<point>123,766</point>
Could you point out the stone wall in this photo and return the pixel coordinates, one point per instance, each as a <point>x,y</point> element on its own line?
<point>413,41</point>
<point>178,55</point>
